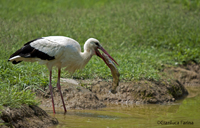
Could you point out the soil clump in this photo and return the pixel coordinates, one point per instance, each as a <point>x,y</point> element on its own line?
<point>93,94</point>
<point>27,116</point>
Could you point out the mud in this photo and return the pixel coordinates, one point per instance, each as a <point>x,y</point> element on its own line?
<point>93,94</point>
<point>90,94</point>
<point>26,117</point>
<point>188,75</point>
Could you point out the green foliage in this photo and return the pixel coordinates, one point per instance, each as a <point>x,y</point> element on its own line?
<point>16,82</point>
<point>22,75</point>
<point>189,4</point>
<point>13,96</point>
<point>142,36</point>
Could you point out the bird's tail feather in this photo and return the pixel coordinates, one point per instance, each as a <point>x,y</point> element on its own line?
<point>16,59</point>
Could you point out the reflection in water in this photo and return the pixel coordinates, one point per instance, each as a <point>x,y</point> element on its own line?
<point>183,113</point>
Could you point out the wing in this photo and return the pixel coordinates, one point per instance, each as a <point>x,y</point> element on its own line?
<point>27,51</point>
<point>56,45</point>
<point>47,48</point>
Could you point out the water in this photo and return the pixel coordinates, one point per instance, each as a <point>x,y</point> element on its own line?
<point>181,114</point>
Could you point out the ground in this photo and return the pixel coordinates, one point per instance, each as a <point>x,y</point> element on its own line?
<point>26,116</point>
<point>94,94</point>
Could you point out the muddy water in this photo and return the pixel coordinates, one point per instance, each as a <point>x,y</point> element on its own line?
<point>182,113</point>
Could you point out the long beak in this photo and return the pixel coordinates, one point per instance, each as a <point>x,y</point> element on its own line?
<point>99,54</point>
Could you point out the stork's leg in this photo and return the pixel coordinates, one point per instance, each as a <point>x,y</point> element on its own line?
<point>59,88</point>
<point>51,91</point>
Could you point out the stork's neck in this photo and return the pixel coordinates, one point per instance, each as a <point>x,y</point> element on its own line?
<point>86,56</point>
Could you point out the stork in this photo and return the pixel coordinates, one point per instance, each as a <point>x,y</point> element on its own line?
<point>58,51</point>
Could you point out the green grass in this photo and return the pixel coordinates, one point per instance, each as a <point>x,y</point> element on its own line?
<point>14,96</point>
<point>188,4</point>
<point>142,35</point>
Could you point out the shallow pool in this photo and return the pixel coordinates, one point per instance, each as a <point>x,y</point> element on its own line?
<point>182,113</point>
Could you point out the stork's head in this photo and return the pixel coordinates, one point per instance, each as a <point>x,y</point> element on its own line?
<point>93,45</point>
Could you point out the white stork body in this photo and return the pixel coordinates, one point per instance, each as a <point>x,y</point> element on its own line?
<point>58,51</point>
<point>67,53</point>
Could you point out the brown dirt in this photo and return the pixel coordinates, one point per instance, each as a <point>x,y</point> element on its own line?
<point>93,94</point>
<point>26,117</point>
<point>98,94</point>
<point>188,75</point>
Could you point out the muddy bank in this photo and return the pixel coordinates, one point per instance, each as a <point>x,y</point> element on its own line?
<point>97,93</point>
<point>26,117</point>
<point>93,94</point>
<point>188,75</point>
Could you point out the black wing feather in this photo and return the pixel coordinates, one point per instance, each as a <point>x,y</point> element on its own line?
<point>30,52</point>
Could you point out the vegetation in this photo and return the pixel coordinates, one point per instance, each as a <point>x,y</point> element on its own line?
<point>143,36</point>
<point>14,96</point>
<point>188,4</point>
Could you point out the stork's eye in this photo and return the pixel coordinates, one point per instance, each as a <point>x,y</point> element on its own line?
<point>97,43</point>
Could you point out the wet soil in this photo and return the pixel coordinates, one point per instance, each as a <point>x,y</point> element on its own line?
<point>94,94</point>
<point>188,75</point>
<point>26,117</point>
